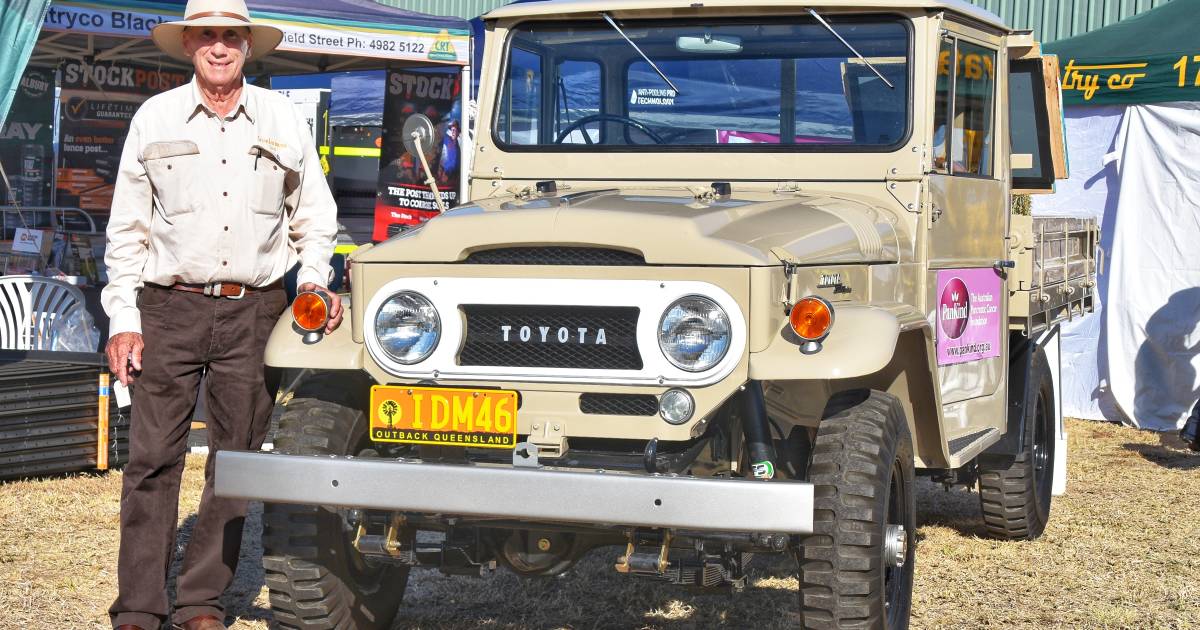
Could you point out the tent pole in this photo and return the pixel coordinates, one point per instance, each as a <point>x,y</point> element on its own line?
<point>116,49</point>
<point>466,144</point>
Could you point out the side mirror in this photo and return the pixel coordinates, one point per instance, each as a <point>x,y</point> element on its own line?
<point>417,134</point>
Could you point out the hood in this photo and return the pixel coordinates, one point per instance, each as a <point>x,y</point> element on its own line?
<point>665,227</point>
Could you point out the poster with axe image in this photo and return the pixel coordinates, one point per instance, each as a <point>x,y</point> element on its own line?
<point>403,197</point>
<point>97,104</point>
<point>26,141</point>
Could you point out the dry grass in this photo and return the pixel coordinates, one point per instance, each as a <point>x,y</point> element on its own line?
<point>1122,551</point>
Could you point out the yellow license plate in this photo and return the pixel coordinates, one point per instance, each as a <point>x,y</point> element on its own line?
<point>483,418</point>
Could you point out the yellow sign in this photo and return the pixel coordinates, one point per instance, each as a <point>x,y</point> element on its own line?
<point>443,48</point>
<point>1087,79</point>
<point>444,416</point>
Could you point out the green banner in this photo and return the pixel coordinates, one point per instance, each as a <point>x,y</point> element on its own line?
<point>20,23</point>
<point>1150,58</point>
<point>1105,81</point>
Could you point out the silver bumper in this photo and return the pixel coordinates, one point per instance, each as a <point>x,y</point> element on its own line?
<point>526,494</point>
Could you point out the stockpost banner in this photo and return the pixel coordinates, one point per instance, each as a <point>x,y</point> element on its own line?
<point>968,315</point>
<point>97,104</point>
<point>334,27</point>
<point>1153,57</point>
<point>26,139</point>
<point>403,198</point>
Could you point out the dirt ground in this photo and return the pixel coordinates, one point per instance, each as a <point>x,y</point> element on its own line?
<point>1122,551</point>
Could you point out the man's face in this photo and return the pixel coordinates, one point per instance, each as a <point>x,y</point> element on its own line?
<point>218,53</point>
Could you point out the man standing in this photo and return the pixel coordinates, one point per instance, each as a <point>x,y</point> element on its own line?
<point>219,193</point>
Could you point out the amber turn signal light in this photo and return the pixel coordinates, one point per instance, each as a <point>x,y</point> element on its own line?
<point>310,311</point>
<point>811,318</point>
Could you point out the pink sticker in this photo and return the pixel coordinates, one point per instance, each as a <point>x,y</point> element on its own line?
<point>968,315</point>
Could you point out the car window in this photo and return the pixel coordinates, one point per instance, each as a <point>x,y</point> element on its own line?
<point>576,96</point>
<point>743,83</point>
<point>974,91</point>
<point>519,117</point>
<point>972,99</point>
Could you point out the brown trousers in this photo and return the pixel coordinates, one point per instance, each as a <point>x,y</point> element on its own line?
<point>185,333</point>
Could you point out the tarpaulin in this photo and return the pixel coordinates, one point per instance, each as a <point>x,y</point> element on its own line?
<point>1153,322</point>
<point>1091,192</point>
<point>357,98</point>
<point>20,22</point>
<point>1137,359</point>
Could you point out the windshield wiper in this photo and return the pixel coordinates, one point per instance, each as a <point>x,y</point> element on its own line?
<point>847,45</point>
<point>613,24</point>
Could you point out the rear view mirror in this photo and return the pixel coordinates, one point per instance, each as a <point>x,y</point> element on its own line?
<point>709,44</point>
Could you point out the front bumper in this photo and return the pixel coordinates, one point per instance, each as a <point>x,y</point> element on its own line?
<point>526,494</point>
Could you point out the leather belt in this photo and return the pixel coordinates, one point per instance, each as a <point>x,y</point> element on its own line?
<point>231,290</point>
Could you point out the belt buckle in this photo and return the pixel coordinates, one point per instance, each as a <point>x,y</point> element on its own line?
<point>214,290</point>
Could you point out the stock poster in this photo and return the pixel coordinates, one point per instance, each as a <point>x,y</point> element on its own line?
<point>403,198</point>
<point>26,140</point>
<point>97,103</point>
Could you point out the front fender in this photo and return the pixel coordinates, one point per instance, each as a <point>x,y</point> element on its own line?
<point>335,351</point>
<point>861,342</point>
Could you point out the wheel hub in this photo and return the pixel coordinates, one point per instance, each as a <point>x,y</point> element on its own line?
<point>895,546</point>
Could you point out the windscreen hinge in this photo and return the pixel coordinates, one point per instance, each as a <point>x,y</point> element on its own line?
<point>791,277</point>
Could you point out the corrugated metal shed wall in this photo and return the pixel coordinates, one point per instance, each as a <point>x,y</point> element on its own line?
<point>1050,19</point>
<point>462,8</point>
<point>1059,19</point>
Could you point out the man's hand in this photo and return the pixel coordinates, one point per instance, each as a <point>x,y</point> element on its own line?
<point>335,304</point>
<point>123,350</point>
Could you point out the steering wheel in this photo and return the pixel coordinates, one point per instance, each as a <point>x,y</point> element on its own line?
<point>624,120</point>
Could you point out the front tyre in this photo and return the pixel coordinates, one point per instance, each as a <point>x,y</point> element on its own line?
<point>856,569</point>
<point>1016,499</point>
<point>316,578</point>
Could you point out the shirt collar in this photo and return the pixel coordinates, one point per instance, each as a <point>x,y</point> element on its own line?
<point>244,105</point>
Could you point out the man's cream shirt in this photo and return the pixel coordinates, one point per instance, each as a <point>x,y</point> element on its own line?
<point>202,199</point>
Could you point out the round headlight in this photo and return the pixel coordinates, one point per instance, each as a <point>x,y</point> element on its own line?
<point>408,327</point>
<point>694,333</point>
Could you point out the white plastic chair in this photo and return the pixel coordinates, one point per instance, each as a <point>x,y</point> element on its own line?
<point>29,307</point>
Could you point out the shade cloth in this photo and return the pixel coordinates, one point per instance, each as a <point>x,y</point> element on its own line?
<point>20,21</point>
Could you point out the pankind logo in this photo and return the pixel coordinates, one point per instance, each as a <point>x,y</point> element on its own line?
<point>954,309</point>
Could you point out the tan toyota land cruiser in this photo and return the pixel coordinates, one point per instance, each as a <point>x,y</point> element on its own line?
<point>735,272</point>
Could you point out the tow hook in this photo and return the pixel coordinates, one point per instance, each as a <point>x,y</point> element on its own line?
<point>388,543</point>
<point>645,559</point>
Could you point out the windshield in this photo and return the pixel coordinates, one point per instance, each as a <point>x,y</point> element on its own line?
<point>786,83</point>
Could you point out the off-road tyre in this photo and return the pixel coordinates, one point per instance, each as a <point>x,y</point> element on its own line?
<point>1016,500</point>
<point>863,477</point>
<point>317,580</point>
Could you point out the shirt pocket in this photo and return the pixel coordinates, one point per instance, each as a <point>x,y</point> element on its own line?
<point>171,167</point>
<point>275,173</point>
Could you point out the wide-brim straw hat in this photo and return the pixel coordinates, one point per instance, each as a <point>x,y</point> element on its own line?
<point>168,36</point>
